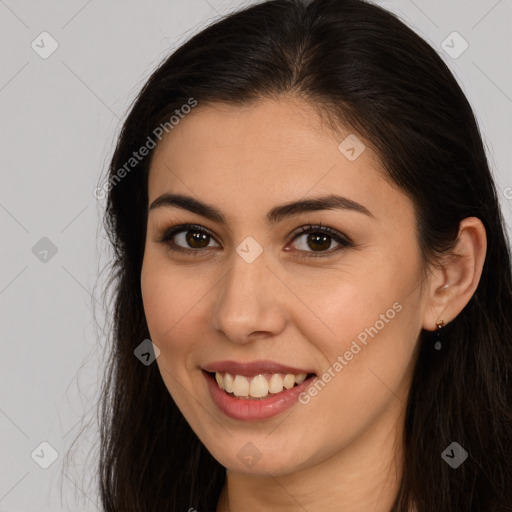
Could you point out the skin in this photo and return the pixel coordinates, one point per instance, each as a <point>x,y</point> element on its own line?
<point>341,451</point>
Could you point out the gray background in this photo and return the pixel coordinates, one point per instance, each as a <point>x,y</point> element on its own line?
<point>59,118</point>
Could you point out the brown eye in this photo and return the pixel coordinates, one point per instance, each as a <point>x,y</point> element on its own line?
<point>187,238</point>
<point>319,240</point>
<point>196,239</point>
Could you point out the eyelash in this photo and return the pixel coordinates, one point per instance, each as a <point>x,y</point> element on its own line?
<point>343,240</point>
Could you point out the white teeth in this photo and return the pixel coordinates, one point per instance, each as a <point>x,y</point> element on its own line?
<point>240,386</point>
<point>275,384</point>
<point>289,381</point>
<point>299,379</point>
<point>259,386</point>
<point>228,382</point>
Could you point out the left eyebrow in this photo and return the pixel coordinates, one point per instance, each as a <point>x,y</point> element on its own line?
<point>276,214</point>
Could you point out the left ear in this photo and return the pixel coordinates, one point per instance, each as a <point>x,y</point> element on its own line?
<point>453,284</point>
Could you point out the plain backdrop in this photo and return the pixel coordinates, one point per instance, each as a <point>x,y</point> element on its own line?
<point>59,119</point>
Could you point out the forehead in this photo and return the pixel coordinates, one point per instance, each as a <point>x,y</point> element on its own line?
<point>271,150</point>
<point>287,126</point>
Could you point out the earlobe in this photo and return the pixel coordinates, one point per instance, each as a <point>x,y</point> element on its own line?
<point>455,281</point>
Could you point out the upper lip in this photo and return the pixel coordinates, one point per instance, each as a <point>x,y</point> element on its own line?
<point>252,368</point>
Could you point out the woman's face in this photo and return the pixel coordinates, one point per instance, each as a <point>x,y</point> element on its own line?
<point>251,290</point>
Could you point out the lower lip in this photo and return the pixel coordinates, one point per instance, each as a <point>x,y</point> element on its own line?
<point>254,410</point>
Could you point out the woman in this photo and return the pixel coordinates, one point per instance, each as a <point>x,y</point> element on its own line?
<point>306,228</point>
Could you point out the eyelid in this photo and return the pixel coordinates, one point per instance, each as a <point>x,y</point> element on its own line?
<point>318,228</point>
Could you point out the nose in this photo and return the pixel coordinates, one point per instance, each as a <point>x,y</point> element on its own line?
<point>248,305</point>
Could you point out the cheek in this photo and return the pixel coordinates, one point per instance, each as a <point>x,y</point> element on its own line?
<point>165,307</point>
<point>367,364</point>
<point>169,297</point>
<point>173,300</point>
<point>346,303</point>
<point>163,310</point>
<point>159,303</point>
<point>367,322</point>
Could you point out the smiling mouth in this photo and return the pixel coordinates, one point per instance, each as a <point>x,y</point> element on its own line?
<point>260,386</point>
